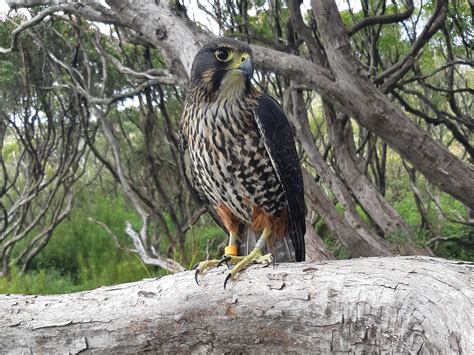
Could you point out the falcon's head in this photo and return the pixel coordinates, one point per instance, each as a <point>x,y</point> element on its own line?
<point>223,68</point>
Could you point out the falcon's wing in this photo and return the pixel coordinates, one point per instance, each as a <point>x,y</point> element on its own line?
<point>198,197</point>
<point>280,145</point>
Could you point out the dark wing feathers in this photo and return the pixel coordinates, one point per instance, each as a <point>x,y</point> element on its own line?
<point>279,142</point>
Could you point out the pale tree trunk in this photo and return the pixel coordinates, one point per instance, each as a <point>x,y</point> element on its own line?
<point>353,231</point>
<point>403,304</point>
<point>357,244</point>
<point>381,212</point>
<point>385,216</point>
<point>315,248</point>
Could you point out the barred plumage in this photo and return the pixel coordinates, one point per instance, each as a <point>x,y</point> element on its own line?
<point>228,158</point>
<point>237,150</point>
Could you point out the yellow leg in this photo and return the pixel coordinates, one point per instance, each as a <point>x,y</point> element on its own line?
<point>230,250</point>
<point>255,256</point>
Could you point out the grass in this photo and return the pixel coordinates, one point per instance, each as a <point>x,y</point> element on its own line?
<point>81,255</point>
<point>46,281</point>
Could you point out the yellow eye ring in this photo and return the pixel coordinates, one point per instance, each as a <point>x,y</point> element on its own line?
<point>223,54</point>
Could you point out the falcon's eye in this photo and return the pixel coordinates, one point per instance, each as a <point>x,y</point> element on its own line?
<point>223,54</point>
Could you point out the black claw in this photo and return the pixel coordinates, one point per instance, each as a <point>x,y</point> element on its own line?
<point>229,276</point>
<point>273,263</point>
<point>196,274</point>
<point>196,266</point>
<point>225,260</point>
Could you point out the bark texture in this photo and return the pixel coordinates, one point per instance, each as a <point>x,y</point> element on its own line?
<point>401,304</point>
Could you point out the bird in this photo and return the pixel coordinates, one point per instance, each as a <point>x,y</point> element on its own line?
<point>239,158</point>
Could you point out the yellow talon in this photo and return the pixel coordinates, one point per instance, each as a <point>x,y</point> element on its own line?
<point>256,256</point>
<point>207,264</point>
<point>203,265</point>
<point>241,262</point>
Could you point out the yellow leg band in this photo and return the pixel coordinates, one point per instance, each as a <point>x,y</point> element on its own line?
<point>230,250</point>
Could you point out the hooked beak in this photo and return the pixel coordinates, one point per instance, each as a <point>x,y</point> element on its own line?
<point>247,68</point>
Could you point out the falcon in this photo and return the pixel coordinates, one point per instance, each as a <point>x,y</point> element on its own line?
<point>239,158</point>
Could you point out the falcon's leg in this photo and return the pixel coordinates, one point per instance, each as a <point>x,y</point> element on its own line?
<point>231,249</point>
<point>229,252</point>
<point>255,256</point>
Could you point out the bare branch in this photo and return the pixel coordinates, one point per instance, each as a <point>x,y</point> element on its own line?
<point>382,19</point>
<point>393,74</point>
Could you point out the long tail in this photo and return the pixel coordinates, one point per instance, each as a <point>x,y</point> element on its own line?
<point>282,250</point>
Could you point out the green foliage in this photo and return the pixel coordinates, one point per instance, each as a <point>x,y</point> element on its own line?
<point>8,149</point>
<point>447,228</point>
<point>452,250</point>
<point>46,281</point>
<point>84,251</point>
<point>407,208</point>
<point>331,241</point>
<point>82,255</point>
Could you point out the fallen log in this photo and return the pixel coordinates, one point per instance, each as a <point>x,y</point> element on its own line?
<point>393,304</point>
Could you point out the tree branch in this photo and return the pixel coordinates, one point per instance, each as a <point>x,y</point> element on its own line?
<point>366,305</point>
<point>358,98</point>
<point>382,19</point>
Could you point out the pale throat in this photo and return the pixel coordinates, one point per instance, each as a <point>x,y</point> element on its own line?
<point>232,86</point>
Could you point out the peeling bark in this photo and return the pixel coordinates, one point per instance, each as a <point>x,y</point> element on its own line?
<point>402,304</point>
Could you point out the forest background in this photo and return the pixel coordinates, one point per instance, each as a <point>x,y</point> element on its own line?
<point>91,189</point>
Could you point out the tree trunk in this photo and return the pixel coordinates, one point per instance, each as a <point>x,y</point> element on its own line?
<point>384,215</point>
<point>358,243</point>
<point>381,212</point>
<point>358,238</point>
<point>165,26</point>
<point>401,304</point>
<point>360,99</point>
<point>315,248</point>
